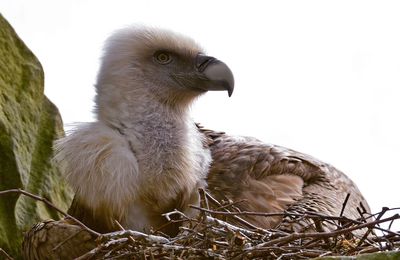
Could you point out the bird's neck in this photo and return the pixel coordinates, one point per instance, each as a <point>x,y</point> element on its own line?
<point>170,154</point>
<point>158,134</point>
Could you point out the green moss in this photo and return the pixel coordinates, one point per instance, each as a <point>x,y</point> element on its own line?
<point>9,178</point>
<point>29,123</point>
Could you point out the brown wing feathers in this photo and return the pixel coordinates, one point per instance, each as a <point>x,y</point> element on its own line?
<point>273,179</point>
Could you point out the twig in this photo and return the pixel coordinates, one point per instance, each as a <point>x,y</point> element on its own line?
<point>5,254</point>
<point>307,214</point>
<point>93,252</point>
<point>344,204</point>
<point>48,203</point>
<point>123,229</point>
<point>175,212</point>
<point>203,198</point>
<point>237,218</point>
<point>230,226</point>
<point>370,229</point>
<point>135,235</point>
<point>65,240</point>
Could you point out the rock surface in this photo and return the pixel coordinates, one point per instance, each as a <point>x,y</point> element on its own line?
<point>29,123</point>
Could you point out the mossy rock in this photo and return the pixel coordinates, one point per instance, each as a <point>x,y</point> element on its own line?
<point>29,123</point>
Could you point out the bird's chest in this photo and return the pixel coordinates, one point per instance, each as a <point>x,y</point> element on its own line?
<point>174,188</point>
<point>170,176</point>
<point>163,152</point>
<point>172,165</point>
<point>147,212</point>
<point>165,147</point>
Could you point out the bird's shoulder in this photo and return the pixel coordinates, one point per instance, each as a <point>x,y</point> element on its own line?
<point>93,141</point>
<point>93,158</point>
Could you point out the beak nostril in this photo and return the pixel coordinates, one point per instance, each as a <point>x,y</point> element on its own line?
<point>202,61</point>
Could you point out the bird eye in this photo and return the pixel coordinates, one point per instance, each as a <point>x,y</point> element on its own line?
<point>163,57</point>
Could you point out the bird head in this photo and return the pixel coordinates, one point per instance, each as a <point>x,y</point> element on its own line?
<point>143,66</point>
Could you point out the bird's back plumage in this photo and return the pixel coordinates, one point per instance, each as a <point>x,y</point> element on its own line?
<point>272,179</point>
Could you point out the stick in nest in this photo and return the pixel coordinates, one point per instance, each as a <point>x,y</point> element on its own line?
<point>51,205</point>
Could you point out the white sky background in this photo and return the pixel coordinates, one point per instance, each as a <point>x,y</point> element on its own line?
<point>320,77</point>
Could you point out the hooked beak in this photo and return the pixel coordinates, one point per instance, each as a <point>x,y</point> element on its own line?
<point>216,74</point>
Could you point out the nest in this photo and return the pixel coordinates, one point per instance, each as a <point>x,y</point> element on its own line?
<point>220,232</point>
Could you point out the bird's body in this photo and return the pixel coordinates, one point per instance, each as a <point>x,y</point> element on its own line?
<point>144,156</point>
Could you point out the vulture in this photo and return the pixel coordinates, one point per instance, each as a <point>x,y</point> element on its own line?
<point>145,156</point>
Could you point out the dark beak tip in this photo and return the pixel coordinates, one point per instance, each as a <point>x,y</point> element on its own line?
<point>230,93</point>
<point>231,83</point>
<point>217,72</point>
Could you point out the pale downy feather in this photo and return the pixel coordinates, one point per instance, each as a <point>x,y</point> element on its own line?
<point>98,164</point>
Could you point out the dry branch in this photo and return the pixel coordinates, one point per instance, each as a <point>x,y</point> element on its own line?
<point>4,253</point>
<point>51,205</point>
